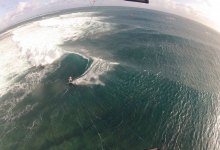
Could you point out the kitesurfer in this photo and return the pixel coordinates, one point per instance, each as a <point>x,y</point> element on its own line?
<point>70,79</point>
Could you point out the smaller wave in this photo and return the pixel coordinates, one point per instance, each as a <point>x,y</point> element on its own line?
<point>30,81</point>
<point>19,90</point>
<point>92,74</point>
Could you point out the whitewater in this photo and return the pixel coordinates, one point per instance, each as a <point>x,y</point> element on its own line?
<point>140,81</point>
<point>38,44</point>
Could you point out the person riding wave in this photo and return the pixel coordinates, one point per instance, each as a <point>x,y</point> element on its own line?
<point>70,79</point>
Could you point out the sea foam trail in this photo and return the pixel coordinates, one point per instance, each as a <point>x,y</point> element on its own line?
<point>91,75</point>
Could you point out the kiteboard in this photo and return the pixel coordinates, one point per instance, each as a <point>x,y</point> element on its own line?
<point>70,81</point>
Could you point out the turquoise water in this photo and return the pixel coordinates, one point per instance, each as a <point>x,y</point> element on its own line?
<point>141,79</point>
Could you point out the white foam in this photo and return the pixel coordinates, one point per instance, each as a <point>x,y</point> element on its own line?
<point>40,40</point>
<point>91,75</point>
<point>12,64</point>
<point>20,90</point>
<point>37,43</point>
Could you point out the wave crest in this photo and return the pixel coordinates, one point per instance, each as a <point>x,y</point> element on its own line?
<point>92,74</point>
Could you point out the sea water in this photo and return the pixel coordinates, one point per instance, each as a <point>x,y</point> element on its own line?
<point>141,79</point>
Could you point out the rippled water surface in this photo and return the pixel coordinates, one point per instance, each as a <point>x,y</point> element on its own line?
<point>144,80</point>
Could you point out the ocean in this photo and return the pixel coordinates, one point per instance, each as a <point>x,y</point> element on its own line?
<point>141,79</point>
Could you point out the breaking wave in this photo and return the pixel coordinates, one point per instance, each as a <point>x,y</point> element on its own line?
<point>38,44</point>
<point>92,74</point>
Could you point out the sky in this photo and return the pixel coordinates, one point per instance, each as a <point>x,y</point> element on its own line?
<point>206,12</point>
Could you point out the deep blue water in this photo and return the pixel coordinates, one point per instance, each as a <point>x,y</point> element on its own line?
<point>141,79</point>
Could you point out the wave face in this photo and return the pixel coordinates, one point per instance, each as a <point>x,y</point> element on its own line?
<point>141,79</point>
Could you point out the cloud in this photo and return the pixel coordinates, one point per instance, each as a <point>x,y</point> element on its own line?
<point>210,10</point>
<point>24,10</point>
<point>64,2</point>
<point>21,8</point>
<point>203,11</point>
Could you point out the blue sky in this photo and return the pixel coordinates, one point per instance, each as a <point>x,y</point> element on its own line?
<point>204,11</point>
